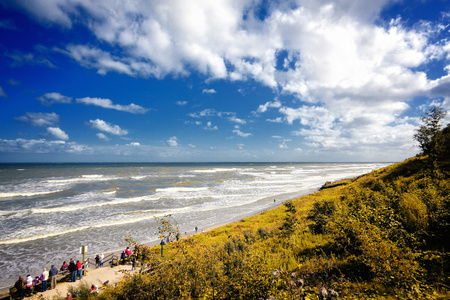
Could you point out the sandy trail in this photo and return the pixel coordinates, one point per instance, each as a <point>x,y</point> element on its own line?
<point>93,276</point>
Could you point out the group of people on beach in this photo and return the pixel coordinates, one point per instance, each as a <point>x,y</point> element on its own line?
<point>99,260</point>
<point>126,254</point>
<point>30,285</point>
<point>47,279</point>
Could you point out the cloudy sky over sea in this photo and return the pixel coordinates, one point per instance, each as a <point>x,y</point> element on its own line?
<point>225,80</point>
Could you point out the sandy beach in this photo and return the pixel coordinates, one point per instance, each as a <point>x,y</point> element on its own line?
<point>98,276</point>
<point>93,276</point>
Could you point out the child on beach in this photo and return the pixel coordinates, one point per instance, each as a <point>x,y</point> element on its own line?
<point>29,284</point>
<point>64,266</point>
<point>36,284</point>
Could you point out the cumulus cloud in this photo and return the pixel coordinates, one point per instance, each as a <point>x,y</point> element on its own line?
<point>172,142</point>
<point>39,119</point>
<point>41,146</point>
<point>209,126</point>
<point>102,136</point>
<point>235,119</point>
<point>208,112</point>
<point>58,133</point>
<point>107,103</point>
<point>352,74</point>
<point>264,107</point>
<point>209,91</point>
<point>283,145</point>
<point>181,103</point>
<point>98,59</point>
<point>325,46</point>
<point>238,132</point>
<point>107,127</point>
<point>51,98</point>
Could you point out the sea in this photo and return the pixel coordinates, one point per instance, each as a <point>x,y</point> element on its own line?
<point>48,211</point>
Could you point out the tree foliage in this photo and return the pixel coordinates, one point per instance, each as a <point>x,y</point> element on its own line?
<point>428,133</point>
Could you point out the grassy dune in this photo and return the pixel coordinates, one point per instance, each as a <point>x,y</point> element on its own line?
<point>383,235</point>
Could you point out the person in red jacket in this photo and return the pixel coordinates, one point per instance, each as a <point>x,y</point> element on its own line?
<point>79,269</point>
<point>128,252</point>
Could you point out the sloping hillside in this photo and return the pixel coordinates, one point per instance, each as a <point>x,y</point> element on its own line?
<point>383,235</point>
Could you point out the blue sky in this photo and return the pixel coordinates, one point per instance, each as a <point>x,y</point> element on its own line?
<point>226,80</point>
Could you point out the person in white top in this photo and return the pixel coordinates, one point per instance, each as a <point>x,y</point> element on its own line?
<point>44,278</point>
<point>29,285</point>
<point>101,260</point>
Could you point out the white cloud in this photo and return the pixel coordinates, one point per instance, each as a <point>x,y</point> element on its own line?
<point>58,133</point>
<point>352,75</point>
<point>102,136</point>
<point>52,98</point>
<point>41,146</point>
<point>135,144</point>
<point>98,59</point>
<point>181,103</point>
<point>209,126</point>
<point>263,108</point>
<point>107,103</point>
<point>172,142</point>
<point>237,120</point>
<point>276,120</point>
<point>330,49</point>
<point>2,93</point>
<point>39,119</point>
<point>107,127</point>
<point>328,46</point>
<point>238,132</point>
<point>208,112</point>
<point>283,145</point>
<point>209,91</point>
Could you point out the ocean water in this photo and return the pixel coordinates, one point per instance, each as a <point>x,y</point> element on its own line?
<point>47,211</point>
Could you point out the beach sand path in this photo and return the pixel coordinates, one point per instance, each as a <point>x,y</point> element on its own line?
<point>93,276</point>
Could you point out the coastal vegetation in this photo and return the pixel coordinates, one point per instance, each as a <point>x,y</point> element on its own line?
<point>383,235</point>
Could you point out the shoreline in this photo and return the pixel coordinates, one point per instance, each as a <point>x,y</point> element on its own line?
<point>280,199</point>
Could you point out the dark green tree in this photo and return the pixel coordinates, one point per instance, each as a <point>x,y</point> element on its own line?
<point>290,221</point>
<point>443,150</point>
<point>427,134</point>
